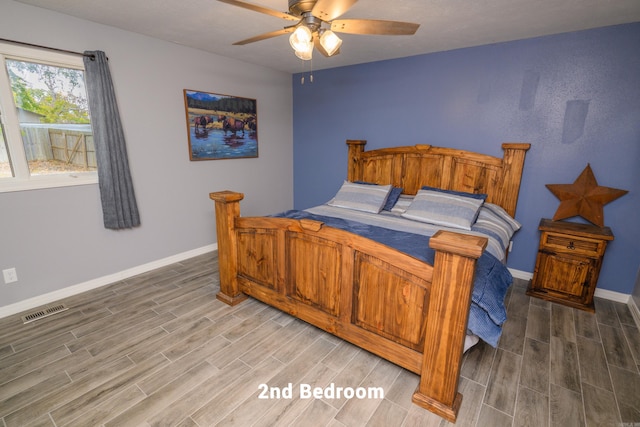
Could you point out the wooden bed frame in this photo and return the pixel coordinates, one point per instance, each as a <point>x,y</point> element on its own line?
<point>389,303</point>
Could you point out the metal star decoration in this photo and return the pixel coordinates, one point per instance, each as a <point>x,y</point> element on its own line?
<point>584,198</point>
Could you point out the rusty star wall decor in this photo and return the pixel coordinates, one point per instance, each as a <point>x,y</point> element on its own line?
<point>584,198</point>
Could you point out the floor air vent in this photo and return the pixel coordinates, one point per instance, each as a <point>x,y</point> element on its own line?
<point>47,311</point>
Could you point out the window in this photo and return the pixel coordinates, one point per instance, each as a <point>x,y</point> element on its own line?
<point>45,128</point>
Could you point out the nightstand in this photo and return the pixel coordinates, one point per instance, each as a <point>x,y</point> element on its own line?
<point>568,262</point>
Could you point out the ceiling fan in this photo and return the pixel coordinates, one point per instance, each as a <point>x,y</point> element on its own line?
<point>316,25</point>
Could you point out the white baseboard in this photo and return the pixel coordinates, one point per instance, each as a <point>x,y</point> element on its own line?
<point>612,295</point>
<point>600,293</point>
<point>50,297</point>
<point>519,274</point>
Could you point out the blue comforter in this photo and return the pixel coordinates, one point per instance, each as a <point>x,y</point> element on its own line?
<point>492,279</point>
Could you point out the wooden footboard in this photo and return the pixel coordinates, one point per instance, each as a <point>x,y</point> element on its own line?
<point>391,304</point>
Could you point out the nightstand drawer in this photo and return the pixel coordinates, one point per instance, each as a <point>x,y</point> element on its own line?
<point>569,244</point>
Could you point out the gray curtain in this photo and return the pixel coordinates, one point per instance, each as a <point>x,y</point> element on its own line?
<point>119,207</point>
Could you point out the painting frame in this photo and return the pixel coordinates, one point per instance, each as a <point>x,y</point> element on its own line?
<point>219,126</point>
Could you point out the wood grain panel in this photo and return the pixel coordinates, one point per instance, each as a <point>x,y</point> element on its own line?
<point>430,172</point>
<point>378,170</point>
<point>390,302</point>
<point>314,271</point>
<point>573,270</point>
<point>474,177</point>
<point>258,246</point>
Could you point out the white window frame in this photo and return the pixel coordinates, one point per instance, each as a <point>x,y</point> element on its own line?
<point>22,180</point>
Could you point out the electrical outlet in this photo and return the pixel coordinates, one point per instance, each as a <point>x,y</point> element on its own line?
<point>10,275</point>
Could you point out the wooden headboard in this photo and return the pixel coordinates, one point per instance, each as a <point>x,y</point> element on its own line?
<point>412,167</point>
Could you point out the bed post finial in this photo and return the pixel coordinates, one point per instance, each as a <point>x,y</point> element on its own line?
<point>227,210</point>
<point>455,262</point>
<point>354,168</point>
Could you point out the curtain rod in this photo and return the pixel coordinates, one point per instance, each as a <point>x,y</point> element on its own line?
<point>93,57</point>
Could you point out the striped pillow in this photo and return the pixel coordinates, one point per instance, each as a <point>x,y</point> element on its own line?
<point>450,210</point>
<point>494,220</point>
<point>361,197</point>
<point>393,197</point>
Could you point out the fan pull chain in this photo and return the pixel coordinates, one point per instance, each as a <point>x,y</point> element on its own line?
<point>310,72</point>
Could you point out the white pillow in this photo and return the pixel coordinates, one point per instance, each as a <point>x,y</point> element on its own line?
<point>361,197</point>
<point>445,209</point>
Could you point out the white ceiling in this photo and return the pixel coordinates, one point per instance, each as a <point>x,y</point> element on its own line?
<point>214,26</point>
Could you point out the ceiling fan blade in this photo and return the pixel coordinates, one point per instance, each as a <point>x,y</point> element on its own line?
<point>266,36</point>
<point>262,9</point>
<point>374,26</point>
<point>321,49</point>
<point>328,10</point>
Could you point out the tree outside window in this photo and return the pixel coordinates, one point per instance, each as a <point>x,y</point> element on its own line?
<point>46,126</point>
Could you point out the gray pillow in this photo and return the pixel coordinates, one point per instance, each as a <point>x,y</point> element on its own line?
<point>361,197</point>
<point>450,210</point>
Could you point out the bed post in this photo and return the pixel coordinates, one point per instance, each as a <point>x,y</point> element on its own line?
<point>512,166</point>
<point>448,313</point>
<point>227,210</point>
<point>354,168</point>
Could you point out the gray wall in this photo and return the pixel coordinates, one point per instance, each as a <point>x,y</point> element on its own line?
<point>55,237</point>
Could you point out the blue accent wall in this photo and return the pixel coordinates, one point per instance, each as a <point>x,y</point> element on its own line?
<point>575,97</point>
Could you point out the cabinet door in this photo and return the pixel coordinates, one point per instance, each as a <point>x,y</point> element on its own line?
<point>567,275</point>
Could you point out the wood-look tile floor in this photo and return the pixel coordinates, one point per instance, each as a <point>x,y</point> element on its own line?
<point>159,349</point>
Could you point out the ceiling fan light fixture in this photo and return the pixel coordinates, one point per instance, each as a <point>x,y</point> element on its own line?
<point>306,53</point>
<point>330,42</point>
<point>300,39</point>
<point>311,16</point>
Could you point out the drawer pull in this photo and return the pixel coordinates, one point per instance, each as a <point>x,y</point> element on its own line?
<point>571,246</point>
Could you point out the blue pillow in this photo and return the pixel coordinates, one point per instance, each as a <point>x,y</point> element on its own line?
<point>457,193</point>
<point>394,195</point>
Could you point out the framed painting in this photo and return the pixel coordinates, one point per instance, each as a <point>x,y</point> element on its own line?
<point>220,126</point>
